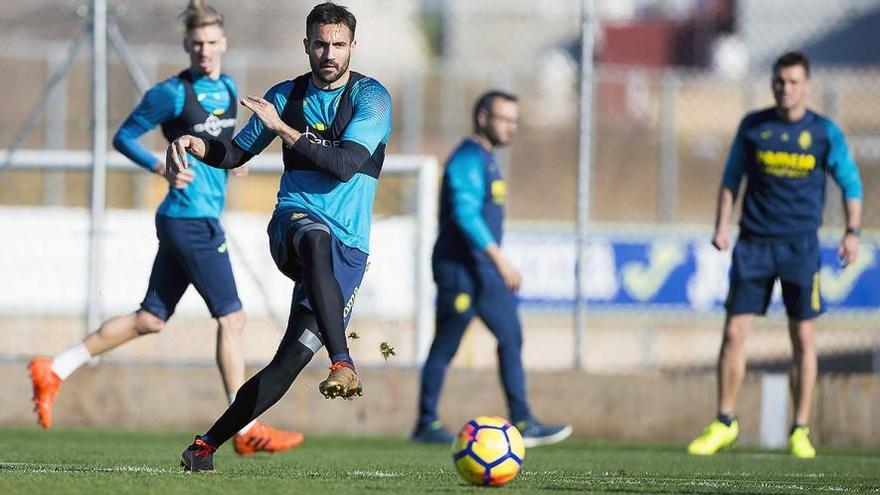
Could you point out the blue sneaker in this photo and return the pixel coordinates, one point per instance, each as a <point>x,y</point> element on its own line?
<point>535,434</point>
<point>432,433</point>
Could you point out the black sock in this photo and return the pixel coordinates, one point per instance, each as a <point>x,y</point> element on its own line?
<point>794,426</point>
<point>725,418</point>
<point>208,440</point>
<point>323,291</point>
<point>345,358</point>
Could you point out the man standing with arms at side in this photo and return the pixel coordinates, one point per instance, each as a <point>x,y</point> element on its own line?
<point>785,152</point>
<point>192,245</point>
<point>473,277</point>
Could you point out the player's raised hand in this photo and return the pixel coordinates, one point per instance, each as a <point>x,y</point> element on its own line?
<point>175,155</point>
<point>848,251</point>
<point>721,240</point>
<point>264,111</point>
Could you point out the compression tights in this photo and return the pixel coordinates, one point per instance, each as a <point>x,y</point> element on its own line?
<point>325,296</point>
<point>306,332</point>
<point>263,390</point>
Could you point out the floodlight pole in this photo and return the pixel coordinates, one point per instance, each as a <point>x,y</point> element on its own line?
<point>99,159</point>
<point>585,154</point>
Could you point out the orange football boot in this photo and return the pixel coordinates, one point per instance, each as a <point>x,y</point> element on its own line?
<point>46,385</point>
<point>263,438</point>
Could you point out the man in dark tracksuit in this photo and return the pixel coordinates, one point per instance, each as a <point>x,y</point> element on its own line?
<point>473,277</point>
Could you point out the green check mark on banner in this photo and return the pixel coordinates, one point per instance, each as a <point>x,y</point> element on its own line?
<point>643,281</point>
<point>836,285</point>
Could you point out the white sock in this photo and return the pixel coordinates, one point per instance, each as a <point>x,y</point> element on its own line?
<point>247,427</point>
<point>231,398</point>
<point>70,360</point>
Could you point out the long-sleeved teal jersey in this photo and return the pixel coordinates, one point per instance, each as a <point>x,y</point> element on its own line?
<point>164,103</point>
<point>345,206</point>
<point>472,200</point>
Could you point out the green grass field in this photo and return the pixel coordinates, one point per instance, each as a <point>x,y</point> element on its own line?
<point>91,461</point>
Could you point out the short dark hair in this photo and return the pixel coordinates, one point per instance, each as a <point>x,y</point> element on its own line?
<point>791,59</point>
<point>330,13</point>
<point>487,99</point>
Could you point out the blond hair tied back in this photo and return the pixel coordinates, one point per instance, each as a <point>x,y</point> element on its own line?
<point>197,14</point>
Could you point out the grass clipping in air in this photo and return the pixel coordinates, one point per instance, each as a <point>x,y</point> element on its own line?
<point>386,350</point>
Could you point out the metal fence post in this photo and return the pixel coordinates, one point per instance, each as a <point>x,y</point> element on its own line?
<point>668,183</point>
<point>585,152</point>
<point>99,158</point>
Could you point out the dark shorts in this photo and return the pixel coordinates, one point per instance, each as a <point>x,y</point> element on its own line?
<point>757,263</point>
<point>191,251</point>
<point>349,264</point>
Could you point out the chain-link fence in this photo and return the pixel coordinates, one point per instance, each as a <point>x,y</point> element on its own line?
<point>672,81</point>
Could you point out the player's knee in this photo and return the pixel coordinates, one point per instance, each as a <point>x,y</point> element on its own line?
<point>438,359</point>
<point>233,323</point>
<point>146,323</point>
<point>803,342</point>
<point>510,345</point>
<point>291,359</point>
<point>315,241</point>
<point>736,329</point>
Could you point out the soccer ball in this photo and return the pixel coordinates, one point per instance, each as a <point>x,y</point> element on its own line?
<point>488,451</point>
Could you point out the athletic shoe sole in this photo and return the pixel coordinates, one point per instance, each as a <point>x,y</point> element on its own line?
<point>549,439</point>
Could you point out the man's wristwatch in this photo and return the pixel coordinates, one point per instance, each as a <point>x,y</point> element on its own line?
<point>853,231</point>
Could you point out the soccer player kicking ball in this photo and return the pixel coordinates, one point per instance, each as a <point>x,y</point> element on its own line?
<point>785,152</point>
<point>192,246</point>
<point>473,277</point>
<point>334,124</point>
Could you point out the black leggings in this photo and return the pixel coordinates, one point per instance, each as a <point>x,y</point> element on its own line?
<point>325,296</point>
<point>263,390</point>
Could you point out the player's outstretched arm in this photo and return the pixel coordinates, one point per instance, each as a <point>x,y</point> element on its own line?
<point>268,115</point>
<point>126,142</point>
<point>157,106</point>
<point>342,162</point>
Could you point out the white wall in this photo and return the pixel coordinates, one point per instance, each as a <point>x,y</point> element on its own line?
<point>43,270</point>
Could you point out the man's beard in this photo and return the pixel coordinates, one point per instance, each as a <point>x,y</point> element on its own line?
<point>494,139</point>
<point>340,70</point>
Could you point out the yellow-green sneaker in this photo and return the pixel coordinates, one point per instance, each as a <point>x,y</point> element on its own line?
<point>715,437</point>
<point>799,441</point>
